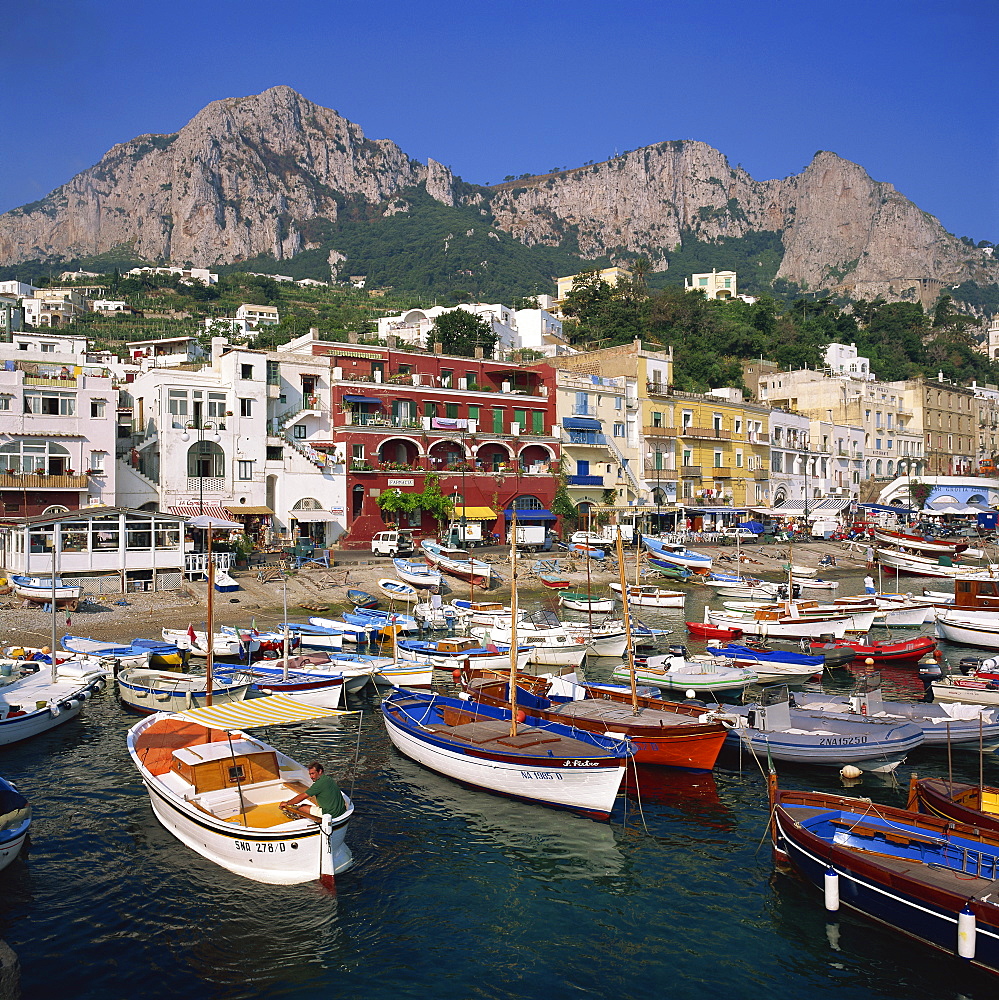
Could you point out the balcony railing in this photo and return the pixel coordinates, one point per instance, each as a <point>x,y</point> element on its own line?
<point>379,420</point>
<point>66,382</point>
<point>585,480</point>
<point>34,481</point>
<point>654,431</point>
<point>761,475</point>
<point>711,433</point>
<point>690,471</point>
<point>653,471</point>
<point>719,472</point>
<point>587,438</point>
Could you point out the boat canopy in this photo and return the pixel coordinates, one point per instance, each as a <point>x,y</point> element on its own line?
<point>274,710</point>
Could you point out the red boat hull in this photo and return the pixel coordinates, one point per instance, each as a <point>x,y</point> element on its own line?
<point>712,631</point>
<point>886,652</point>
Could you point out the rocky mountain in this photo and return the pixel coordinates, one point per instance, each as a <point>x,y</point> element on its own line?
<point>271,175</point>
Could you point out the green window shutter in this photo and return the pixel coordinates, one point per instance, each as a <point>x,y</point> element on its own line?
<point>451,411</point>
<point>429,409</point>
<point>520,417</point>
<point>538,421</point>
<point>497,419</point>
<point>473,413</point>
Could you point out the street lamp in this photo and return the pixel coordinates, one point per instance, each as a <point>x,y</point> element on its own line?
<point>214,437</point>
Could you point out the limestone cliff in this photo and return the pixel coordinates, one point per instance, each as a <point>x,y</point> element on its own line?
<point>265,174</point>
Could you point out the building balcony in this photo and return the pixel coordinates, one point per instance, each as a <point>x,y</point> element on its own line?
<point>708,433</point>
<point>660,431</point>
<point>719,472</point>
<point>657,388</point>
<point>652,471</point>
<point>67,382</point>
<point>35,481</point>
<point>586,439</point>
<point>585,480</point>
<point>376,420</point>
<point>761,475</point>
<point>691,472</point>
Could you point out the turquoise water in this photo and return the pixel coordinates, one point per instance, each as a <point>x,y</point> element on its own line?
<point>454,894</point>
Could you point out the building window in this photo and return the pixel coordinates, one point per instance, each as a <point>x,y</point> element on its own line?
<point>538,422</point>
<point>470,380</point>
<point>718,460</point>
<point>244,469</point>
<point>738,459</point>
<point>298,432</point>
<point>429,408</point>
<point>97,461</point>
<point>53,404</point>
<point>619,430</point>
<point>451,411</point>
<point>245,407</point>
<point>582,403</point>
<point>216,404</point>
<point>4,402</point>
<point>274,453</point>
<point>98,408</point>
<point>687,456</point>
<point>447,378</point>
<point>618,403</point>
<point>497,419</point>
<point>273,372</point>
<point>473,413</point>
<point>178,402</point>
<point>246,371</point>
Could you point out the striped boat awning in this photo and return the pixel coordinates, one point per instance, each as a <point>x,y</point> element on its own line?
<point>817,507</point>
<point>274,710</point>
<point>208,509</point>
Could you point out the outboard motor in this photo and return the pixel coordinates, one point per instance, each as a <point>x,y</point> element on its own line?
<point>678,650</point>
<point>968,663</point>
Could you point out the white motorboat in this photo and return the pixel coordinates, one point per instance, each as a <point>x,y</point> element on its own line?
<point>917,565</point>
<point>818,584</point>
<point>778,625</point>
<point>551,647</point>
<point>15,822</point>
<point>148,690</point>
<point>608,639</point>
<point>396,590</point>
<point>652,597</point>
<point>219,791</point>
<point>417,574</point>
<point>446,654</point>
<point>968,628</point>
<point>674,673</point>
<point>32,701</point>
<point>39,589</point>
<point>586,603</point>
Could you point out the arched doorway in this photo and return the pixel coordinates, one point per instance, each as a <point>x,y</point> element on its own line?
<point>311,520</point>
<point>356,501</point>
<point>205,460</point>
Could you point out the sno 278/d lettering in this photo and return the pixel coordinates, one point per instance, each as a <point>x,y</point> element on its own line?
<point>242,845</point>
<point>842,741</point>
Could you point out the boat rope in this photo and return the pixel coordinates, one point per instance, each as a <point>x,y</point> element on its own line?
<point>357,753</point>
<point>638,791</point>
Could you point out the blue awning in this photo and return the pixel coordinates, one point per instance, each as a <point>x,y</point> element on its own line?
<point>581,424</point>
<point>886,508</point>
<point>361,399</point>
<point>530,515</point>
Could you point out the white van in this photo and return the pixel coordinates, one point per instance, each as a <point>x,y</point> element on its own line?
<point>392,543</point>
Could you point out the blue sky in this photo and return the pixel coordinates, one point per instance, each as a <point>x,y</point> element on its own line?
<point>906,88</point>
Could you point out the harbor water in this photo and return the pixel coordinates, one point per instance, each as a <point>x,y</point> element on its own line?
<point>454,893</point>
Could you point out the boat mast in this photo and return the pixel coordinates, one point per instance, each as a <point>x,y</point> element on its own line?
<point>284,643</point>
<point>52,648</point>
<point>629,652</point>
<point>513,623</point>
<point>210,624</point>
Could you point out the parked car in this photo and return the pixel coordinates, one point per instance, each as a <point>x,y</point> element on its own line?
<point>393,543</point>
<point>735,532</point>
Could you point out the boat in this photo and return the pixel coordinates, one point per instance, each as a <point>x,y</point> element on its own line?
<point>481,612</point>
<point>150,691</point>
<point>928,878</point>
<point>676,673</point>
<point>771,664</point>
<point>652,597</point>
<point>956,801</point>
<point>585,549</point>
<point>15,822</point>
<point>224,583</point>
<point>362,599</point>
<point>533,760</point>
<point>942,725</point>
<point>968,628</point>
<point>34,700</point>
<point>777,625</point>
<point>979,687</point>
<point>818,584</point>
<point>554,582</point>
<point>312,635</point>
<point>700,631</point>
<point>606,639</point>
<point>446,654</point>
<point>39,590</point>
<point>417,574</point>
<point>223,644</point>
<point>356,671</point>
<point>377,620</point>
<point>661,732</point>
<point>139,652</point>
<point>773,729</point>
<point>677,555</point>
<point>219,791</point>
<point>801,572</point>
<point>906,651</point>
<point>396,590</point>
<point>440,616</point>
<point>325,692</point>
<point>586,603</point>
<point>920,543</point>
<point>670,571</point>
<point>457,562</point>
<point>909,562</point>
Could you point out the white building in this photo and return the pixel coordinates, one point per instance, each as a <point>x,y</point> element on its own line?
<point>789,453</point>
<point>42,346</point>
<point>226,326</point>
<point>717,285</point>
<point>17,289</point>
<point>258,315</point>
<point>186,274</point>
<point>11,316</point>
<point>111,307</point>
<point>165,351</point>
<point>842,359</point>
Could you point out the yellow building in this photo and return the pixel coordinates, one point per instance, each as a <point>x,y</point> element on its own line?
<point>611,275</point>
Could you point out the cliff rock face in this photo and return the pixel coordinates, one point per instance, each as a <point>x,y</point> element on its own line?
<point>243,177</point>
<point>261,174</point>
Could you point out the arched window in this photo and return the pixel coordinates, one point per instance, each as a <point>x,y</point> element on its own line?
<point>528,503</point>
<point>877,468</point>
<point>205,459</point>
<point>891,466</point>
<point>56,509</point>
<point>308,503</point>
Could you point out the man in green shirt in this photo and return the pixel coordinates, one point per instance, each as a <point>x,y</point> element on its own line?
<point>324,793</point>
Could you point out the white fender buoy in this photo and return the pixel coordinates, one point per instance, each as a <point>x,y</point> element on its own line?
<point>850,771</point>
<point>54,709</point>
<point>830,883</point>
<point>966,933</point>
<point>690,694</point>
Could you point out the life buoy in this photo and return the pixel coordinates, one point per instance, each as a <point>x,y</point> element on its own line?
<point>54,710</point>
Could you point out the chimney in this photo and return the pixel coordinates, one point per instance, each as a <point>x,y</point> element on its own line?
<point>352,337</point>
<point>219,345</point>
<point>314,332</point>
<point>438,347</point>
<point>479,352</point>
<point>391,341</point>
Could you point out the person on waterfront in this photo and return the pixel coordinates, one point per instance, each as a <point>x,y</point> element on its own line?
<point>325,795</point>
<point>869,555</point>
<point>869,585</point>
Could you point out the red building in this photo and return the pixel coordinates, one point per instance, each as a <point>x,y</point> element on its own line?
<point>485,427</point>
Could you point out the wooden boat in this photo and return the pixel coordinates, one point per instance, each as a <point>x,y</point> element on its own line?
<point>481,612</point>
<point>449,653</point>
<point>916,565</point>
<point>15,822</point>
<point>32,701</point>
<point>675,673</point>
<point>417,574</point>
<point>397,590</point>
<point>379,620</point>
<point>942,725</point>
<point>661,732</point>
<point>575,601</point>
<point>773,729</point>
<point>534,760</point>
<point>151,691</point>
<point>362,599</point>
<point>778,625</point>
<point>457,562</point>
<point>920,543</point>
<point>906,651</point>
<point>670,571</point>
<point>310,689</point>
<point>700,631</point>
<point>921,875</point>
<point>652,597</point>
<point>139,652</point>
<point>219,791</point>
<point>956,801</point>
<point>224,583</point>
<point>554,582</point>
<point>968,628</point>
<point>39,590</point>
<point>224,644</point>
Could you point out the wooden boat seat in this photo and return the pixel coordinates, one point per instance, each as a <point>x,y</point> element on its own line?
<point>891,835</point>
<point>156,745</point>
